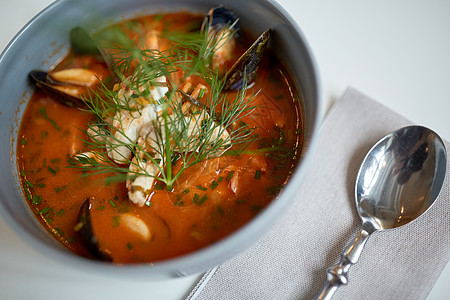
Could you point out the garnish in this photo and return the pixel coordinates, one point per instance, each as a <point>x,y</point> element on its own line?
<point>181,127</point>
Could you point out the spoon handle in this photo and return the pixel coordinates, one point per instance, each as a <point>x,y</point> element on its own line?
<point>337,275</point>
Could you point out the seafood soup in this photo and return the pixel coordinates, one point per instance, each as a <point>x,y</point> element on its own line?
<point>158,136</point>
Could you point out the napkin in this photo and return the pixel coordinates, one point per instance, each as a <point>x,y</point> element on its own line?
<point>290,261</point>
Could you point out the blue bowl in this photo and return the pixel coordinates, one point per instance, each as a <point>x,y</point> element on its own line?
<point>44,40</point>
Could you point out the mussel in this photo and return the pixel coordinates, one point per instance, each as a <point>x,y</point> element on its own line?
<point>67,93</point>
<point>222,24</point>
<point>70,85</point>
<point>86,233</point>
<point>244,69</point>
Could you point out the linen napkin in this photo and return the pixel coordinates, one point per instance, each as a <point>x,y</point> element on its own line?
<point>290,261</point>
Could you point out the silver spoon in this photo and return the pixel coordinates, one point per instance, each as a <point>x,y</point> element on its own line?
<point>398,181</point>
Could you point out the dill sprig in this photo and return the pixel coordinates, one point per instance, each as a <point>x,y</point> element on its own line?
<point>200,134</point>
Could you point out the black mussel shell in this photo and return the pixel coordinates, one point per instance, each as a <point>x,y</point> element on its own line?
<point>244,69</point>
<point>86,232</point>
<point>42,80</point>
<point>219,17</point>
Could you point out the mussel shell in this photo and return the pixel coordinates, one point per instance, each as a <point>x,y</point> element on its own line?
<point>244,69</point>
<point>42,80</point>
<point>86,232</point>
<point>219,17</point>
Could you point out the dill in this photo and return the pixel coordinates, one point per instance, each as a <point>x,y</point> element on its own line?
<point>192,136</point>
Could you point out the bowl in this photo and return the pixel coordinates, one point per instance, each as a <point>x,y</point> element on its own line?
<point>44,40</point>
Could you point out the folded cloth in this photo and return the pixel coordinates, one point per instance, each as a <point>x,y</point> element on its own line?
<point>290,261</point>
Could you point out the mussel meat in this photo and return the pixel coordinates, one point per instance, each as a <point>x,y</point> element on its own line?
<point>224,29</point>
<point>67,86</point>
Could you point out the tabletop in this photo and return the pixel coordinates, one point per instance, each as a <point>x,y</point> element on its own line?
<point>396,52</point>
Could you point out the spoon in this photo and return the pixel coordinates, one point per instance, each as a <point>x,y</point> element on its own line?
<point>398,181</point>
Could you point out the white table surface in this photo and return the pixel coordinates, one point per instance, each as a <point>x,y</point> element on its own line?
<point>397,52</point>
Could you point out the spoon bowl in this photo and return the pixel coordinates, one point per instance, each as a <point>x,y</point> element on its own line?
<point>398,181</point>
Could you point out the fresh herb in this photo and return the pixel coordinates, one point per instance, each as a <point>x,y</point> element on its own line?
<point>129,246</point>
<point>112,203</point>
<point>230,175</point>
<point>51,170</point>
<point>59,231</point>
<point>23,142</point>
<point>36,200</point>
<point>201,188</point>
<point>258,174</point>
<point>60,212</point>
<point>44,114</point>
<point>191,137</point>
<point>199,201</point>
<point>158,187</point>
<point>213,185</point>
<point>29,184</point>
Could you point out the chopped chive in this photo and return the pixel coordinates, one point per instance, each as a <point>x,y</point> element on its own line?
<point>29,184</point>
<point>230,175</point>
<point>201,188</point>
<point>55,160</point>
<point>43,211</point>
<point>24,141</point>
<point>45,161</point>
<point>51,170</point>
<point>219,180</point>
<point>59,231</point>
<point>115,221</point>
<point>129,246</point>
<point>60,212</point>
<point>41,185</point>
<point>22,172</point>
<point>100,207</point>
<point>257,174</point>
<point>241,201</point>
<point>57,189</point>
<point>198,200</point>
<point>112,203</point>
<point>36,200</point>
<point>158,187</point>
<point>44,134</point>
<point>179,203</point>
<point>196,197</point>
<point>186,191</point>
<point>213,184</point>
<point>28,194</point>
<point>44,114</point>
<point>116,198</point>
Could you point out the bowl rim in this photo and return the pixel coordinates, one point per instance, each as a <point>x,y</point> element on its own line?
<point>188,262</point>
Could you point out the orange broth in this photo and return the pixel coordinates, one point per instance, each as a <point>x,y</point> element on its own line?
<point>209,201</point>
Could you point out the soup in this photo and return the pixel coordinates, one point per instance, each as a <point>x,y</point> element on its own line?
<point>152,138</point>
